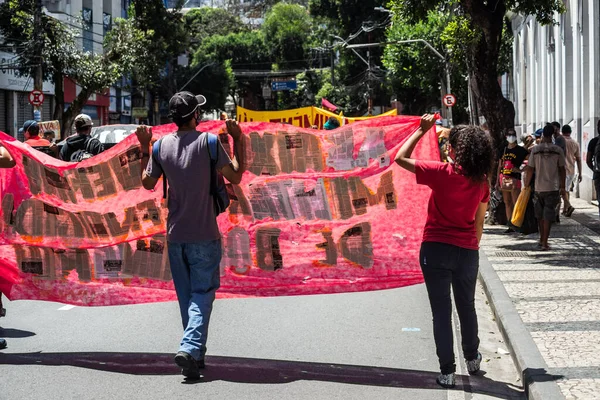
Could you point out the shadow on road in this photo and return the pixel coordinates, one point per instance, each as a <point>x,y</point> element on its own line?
<point>261,371</point>
<point>15,333</point>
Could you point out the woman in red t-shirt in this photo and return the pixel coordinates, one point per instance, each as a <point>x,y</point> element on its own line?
<point>450,249</point>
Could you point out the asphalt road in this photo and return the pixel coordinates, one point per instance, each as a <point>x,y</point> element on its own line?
<point>375,345</point>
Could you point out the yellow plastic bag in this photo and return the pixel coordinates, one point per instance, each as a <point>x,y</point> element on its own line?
<point>520,207</point>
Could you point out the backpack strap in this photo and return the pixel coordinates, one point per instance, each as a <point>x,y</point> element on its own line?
<point>213,152</point>
<point>155,158</point>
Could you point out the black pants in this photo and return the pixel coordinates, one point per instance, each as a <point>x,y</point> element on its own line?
<point>446,266</point>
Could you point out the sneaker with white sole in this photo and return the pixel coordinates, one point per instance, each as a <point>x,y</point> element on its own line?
<point>473,366</point>
<point>447,381</point>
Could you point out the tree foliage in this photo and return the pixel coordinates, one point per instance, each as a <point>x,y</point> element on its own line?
<point>286,31</point>
<point>480,33</point>
<point>62,56</point>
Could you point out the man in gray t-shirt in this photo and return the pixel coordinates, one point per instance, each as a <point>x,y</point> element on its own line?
<point>548,162</point>
<point>193,238</point>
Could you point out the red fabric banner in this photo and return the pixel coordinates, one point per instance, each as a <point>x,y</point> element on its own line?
<point>316,212</point>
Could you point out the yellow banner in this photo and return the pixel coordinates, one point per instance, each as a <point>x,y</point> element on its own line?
<point>306,117</point>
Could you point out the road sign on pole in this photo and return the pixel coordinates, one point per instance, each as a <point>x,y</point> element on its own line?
<point>449,100</point>
<point>284,85</point>
<point>36,98</point>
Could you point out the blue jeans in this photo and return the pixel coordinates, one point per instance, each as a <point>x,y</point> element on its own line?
<point>195,270</point>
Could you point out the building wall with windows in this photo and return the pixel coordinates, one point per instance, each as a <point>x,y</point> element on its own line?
<point>93,18</point>
<point>556,75</point>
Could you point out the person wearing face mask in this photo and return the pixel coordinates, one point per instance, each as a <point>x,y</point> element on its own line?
<point>509,173</point>
<point>183,158</point>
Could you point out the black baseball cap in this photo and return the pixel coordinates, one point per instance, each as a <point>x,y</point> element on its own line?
<point>184,104</point>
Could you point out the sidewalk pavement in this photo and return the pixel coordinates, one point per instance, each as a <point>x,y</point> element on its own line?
<point>557,296</point>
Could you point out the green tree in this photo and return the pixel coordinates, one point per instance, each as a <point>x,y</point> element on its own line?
<point>204,22</point>
<point>358,22</point>
<point>286,30</point>
<point>479,33</point>
<point>416,72</point>
<point>244,50</point>
<point>168,38</point>
<point>62,57</point>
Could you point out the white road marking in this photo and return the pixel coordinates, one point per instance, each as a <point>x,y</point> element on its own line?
<point>67,307</point>
<point>411,329</point>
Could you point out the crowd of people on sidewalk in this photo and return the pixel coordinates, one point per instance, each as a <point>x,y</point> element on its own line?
<point>549,163</point>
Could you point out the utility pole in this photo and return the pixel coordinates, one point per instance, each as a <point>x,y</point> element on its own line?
<point>332,66</point>
<point>428,45</point>
<point>38,79</point>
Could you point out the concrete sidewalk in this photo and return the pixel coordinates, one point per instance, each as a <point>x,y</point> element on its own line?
<point>557,296</point>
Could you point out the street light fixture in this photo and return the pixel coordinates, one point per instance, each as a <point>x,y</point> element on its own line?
<point>382,9</point>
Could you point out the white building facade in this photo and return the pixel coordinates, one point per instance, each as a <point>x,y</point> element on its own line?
<point>556,75</point>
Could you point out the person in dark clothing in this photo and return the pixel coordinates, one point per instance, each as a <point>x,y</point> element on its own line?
<point>509,173</point>
<point>592,160</point>
<point>81,146</point>
<point>449,254</point>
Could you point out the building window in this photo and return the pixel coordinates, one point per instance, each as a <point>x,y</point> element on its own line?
<point>88,29</point>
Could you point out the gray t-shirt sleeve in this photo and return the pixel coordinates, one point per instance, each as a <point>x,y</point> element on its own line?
<point>223,158</point>
<point>153,168</point>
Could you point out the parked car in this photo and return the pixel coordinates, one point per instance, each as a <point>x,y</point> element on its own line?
<point>109,135</point>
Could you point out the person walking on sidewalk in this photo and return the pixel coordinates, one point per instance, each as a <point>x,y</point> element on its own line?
<point>449,254</point>
<point>193,237</point>
<point>548,162</point>
<point>572,157</point>
<point>592,160</point>
<point>509,173</point>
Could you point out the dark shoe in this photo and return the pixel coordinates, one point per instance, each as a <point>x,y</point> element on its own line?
<point>473,366</point>
<point>3,344</point>
<point>569,211</point>
<point>509,230</point>
<point>189,367</point>
<point>447,381</point>
<point>2,312</point>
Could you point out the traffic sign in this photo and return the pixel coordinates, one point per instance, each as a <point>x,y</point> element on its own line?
<point>284,85</point>
<point>449,100</point>
<point>36,98</point>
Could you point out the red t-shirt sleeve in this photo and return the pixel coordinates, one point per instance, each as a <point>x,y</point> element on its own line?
<point>486,193</point>
<point>429,172</point>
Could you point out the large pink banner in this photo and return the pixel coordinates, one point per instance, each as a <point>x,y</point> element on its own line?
<point>316,212</point>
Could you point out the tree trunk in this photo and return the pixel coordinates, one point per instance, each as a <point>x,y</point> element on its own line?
<point>59,106</point>
<point>75,109</point>
<point>482,61</point>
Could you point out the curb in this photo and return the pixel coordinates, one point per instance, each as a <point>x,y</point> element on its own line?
<point>537,382</point>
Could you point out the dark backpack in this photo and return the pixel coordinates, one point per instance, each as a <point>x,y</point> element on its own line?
<point>82,154</point>
<point>218,189</point>
<point>597,156</point>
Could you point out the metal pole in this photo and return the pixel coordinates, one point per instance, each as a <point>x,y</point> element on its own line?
<point>449,113</point>
<point>38,79</point>
<point>195,75</point>
<point>332,67</point>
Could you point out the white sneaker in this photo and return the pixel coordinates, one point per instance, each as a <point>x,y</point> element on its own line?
<point>447,381</point>
<point>473,366</point>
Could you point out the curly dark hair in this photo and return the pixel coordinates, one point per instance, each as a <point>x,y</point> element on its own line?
<point>473,151</point>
